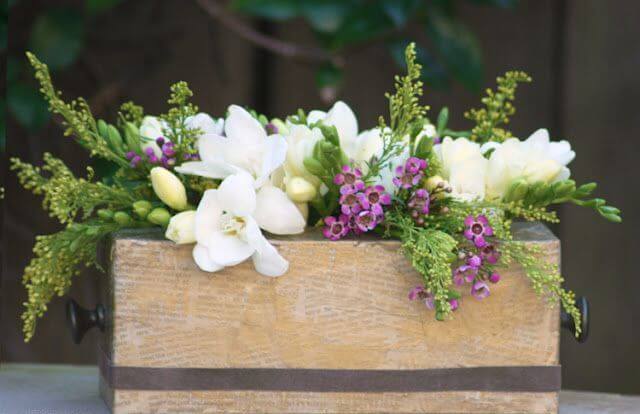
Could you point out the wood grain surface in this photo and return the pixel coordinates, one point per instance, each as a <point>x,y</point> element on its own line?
<point>342,305</point>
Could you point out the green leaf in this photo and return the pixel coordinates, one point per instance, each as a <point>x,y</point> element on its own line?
<point>57,37</point>
<point>328,76</point>
<point>497,3</point>
<point>400,11</point>
<point>361,24</point>
<point>272,9</point>
<point>27,106</point>
<point>458,48</point>
<point>100,6</point>
<point>324,15</point>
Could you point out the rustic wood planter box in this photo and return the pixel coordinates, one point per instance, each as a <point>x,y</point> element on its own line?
<point>336,334</point>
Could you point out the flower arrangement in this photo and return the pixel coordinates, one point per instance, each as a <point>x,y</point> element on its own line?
<point>220,184</point>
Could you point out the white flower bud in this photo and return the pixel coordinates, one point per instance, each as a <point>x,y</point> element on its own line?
<point>181,229</point>
<point>169,188</point>
<point>300,190</point>
<point>434,182</point>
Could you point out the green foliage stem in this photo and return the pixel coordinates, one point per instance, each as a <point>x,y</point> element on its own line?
<point>431,253</point>
<point>65,196</point>
<point>498,109</point>
<point>76,116</point>
<point>404,110</point>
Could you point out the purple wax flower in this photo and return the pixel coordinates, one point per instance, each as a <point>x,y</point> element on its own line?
<point>416,292</point>
<point>410,174</point>
<point>480,290</point>
<point>420,293</point>
<point>454,304</point>
<point>415,165</point>
<point>153,159</point>
<point>160,141</point>
<point>490,254</point>
<point>464,273</point>
<point>135,161</point>
<point>474,261</point>
<point>131,155</point>
<point>495,277</point>
<point>366,220</point>
<point>350,203</point>
<point>336,228</point>
<point>271,128</point>
<point>167,149</point>
<point>476,230</point>
<point>373,198</point>
<point>349,180</point>
<point>149,152</point>
<point>419,203</point>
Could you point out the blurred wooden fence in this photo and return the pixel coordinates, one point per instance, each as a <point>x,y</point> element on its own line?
<point>584,57</point>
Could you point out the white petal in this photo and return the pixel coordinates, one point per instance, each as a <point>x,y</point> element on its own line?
<point>228,250</point>
<point>237,195</point>
<point>273,157</point>
<point>315,116</point>
<point>207,219</point>
<point>561,152</point>
<point>276,213</point>
<point>204,169</point>
<point>203,260</point>
<point>205,123</point>
<point>212,147</point>
<point>343,118</point>
<point>564,174</point>
<point>539,138</point>
<point>266,258</point>
<point>240,126</point>
<point>366,145</point>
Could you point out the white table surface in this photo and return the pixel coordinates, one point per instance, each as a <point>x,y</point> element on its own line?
<point>66,389</point>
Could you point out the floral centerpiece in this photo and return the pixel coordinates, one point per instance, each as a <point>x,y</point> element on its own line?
<point>222,184</point>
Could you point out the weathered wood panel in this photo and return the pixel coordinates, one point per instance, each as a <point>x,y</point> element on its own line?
<point>342,305</point>
<point>600,113</point>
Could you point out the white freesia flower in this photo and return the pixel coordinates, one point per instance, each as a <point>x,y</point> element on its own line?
<point>536,159</point>
<point>358,147</point>
<point>246,149</point>
<point>205,123</point>
<point>151,129</point>
<point>463,166</point>
<point>227,230</point>
<point>300,143</point>
<point>181,228</point>
<point>168,188</point>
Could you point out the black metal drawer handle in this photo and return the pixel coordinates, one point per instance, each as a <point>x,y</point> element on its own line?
<point>80,320</point>
<point>566,321</point>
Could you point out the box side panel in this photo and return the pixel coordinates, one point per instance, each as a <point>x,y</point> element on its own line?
<point>342,305</point>
<point>352,403</point>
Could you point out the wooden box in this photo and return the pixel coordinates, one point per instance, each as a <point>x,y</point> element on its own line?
<point>336,334</point>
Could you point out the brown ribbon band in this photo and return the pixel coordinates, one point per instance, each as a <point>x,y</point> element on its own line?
<point>506,378</point>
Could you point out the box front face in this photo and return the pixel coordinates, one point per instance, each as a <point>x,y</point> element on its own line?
<point>342,305</point>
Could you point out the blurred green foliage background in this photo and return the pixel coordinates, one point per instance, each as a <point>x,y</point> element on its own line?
<point>448,50</point>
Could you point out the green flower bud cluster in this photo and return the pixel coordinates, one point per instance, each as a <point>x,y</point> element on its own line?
<point>65,195</point>
<point>77,118</point>
<point>141,211</point>
<point>325,162</point>
<point>498,109</point>
<point>539,195</point>
<point>57,259</point>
